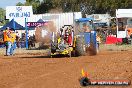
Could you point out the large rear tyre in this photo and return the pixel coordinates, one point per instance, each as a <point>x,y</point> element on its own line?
<point>92,50</point>
<point>80,48</point>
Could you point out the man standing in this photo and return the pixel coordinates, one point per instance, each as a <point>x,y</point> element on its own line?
<point>7,40</point>
<point>13,41</point>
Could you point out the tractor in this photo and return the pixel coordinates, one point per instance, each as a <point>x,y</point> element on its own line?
<point>77,40</point>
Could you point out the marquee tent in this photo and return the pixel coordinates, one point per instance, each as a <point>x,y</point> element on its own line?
<point>40,20</point>
<point>124,13</point>
<point>12,24</point>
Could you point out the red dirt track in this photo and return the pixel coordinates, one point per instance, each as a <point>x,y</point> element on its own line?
<point>39,71</point>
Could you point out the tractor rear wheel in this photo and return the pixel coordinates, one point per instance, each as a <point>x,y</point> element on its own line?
<point>80,48</point>
<point>92,50</point>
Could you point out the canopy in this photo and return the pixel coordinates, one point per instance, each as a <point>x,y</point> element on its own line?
<point>123,13</point>
<point>84,19</point>
<point>12,24</point>
<point>40,20</point>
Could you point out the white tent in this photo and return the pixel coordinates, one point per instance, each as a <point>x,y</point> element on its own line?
<point>122,13</point>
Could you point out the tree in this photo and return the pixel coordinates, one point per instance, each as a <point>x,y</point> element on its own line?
<point>44,7</point>
<point>34,3</point>
<point>85,6</point>
<point>2,16</point>
<point>19,4</point>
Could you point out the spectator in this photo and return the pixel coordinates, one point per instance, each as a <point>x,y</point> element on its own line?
<point>7,40</point>
<point>13,40</point>
<point>18,41</point>
<point>131,36</point>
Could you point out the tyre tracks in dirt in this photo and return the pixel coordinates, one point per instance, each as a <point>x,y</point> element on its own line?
<point>61,72</point>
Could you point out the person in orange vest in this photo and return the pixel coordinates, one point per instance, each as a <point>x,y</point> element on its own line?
<point>13,41</point>
<point>7,40</point>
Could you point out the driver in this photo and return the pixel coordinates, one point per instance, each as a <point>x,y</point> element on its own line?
<point>86,28</point>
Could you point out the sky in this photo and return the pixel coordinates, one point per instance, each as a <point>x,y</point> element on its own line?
<point>4,3</point>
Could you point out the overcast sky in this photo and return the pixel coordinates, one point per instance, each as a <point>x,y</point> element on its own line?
<point>4,3</point>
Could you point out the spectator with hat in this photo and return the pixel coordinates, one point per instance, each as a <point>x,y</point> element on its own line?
<point>7,40</point>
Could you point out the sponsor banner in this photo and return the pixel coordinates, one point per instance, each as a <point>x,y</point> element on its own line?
<point>18,12</point>
<point>34,24</point>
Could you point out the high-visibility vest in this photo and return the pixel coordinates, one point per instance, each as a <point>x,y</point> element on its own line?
<point>13,37</point>
<point>7,36</point>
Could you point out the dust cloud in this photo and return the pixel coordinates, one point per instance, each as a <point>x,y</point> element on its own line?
<point>43,33</point>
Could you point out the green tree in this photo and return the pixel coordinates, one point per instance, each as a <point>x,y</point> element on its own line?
<point>45,6</point>
<point>19,4</point>
<point>2,16</point>
<point>86,6</point>
<point>34,3</point>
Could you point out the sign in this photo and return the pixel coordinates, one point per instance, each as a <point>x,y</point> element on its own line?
<point>18,12</point>
<point>34,24</point>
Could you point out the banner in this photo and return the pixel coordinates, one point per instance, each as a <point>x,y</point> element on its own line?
<point>18,12</point>
<point>34,24</point>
